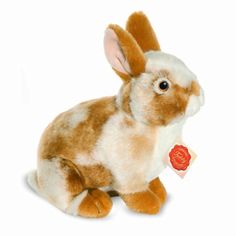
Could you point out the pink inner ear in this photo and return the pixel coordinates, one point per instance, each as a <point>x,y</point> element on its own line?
<point>114,52</point>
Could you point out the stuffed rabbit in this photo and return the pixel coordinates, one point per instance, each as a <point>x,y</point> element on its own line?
<point>116,145</point>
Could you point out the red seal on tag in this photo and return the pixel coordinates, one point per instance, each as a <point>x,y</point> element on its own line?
<point>179,157</point>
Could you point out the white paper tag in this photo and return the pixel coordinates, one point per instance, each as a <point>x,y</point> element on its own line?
<point>180,158</point>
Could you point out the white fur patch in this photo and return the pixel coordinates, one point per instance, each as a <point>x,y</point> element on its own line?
<point>106,189</point>
<point>157,60</point>
<point>166,138</point>
<point>52,183</point>
<point>114,151</point>
<point>32,181</point>
<point>141,96</point>
<point>75,203</point>
<point>119,97</point>
<point>85,160</point>
<point>193,106</point>
<point>78,114</point>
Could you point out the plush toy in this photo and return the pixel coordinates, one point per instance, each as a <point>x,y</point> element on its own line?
<point>117,145</point>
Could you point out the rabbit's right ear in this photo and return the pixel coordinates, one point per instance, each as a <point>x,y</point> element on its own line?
<point>141,29</point>
<point>123,52</point>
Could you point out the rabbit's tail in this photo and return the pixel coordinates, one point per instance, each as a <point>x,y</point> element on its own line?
<point>32,181</point>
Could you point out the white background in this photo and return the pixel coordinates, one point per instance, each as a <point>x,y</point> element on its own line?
<point>51,57</point>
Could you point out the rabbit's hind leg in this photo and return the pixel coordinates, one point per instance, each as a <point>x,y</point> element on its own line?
<point>61,183</point>
<point>96,203</point>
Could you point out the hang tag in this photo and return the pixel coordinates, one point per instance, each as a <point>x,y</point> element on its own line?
<point>180,158</point>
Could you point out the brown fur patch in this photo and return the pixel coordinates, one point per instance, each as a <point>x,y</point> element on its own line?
<point>195,88</point>
<point>158,189</point>
<point>126,98</point>
<point>142,145</point>
<point>139,26</point>
<point>131,50</point>
<point>127,122</point>
<point>164,108</point>
<point>74,180</point>
<point>143,202</point>
<point>96,204</point>
<point>125,77</point>
<point>87,132</point>
<point>95,176</point>
<point>59,141</point>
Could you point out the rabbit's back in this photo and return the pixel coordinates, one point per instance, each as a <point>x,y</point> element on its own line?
<point>76,130</point>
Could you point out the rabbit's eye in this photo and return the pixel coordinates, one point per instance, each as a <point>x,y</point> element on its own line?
<point>161,85</point>
<point>164,85</point>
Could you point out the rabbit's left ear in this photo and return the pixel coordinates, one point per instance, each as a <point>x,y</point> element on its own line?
<point>123,52</point>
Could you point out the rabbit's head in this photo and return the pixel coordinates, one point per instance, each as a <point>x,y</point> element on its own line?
<point>158,88</point>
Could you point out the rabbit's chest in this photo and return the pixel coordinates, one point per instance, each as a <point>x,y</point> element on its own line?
<point>166,138</point>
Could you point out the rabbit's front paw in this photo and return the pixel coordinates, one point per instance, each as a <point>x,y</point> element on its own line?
<point>143,202</point>
<point>158,189</point>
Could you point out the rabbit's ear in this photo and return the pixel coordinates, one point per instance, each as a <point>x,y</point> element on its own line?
<point>123,52</point>
<point>139,26</point>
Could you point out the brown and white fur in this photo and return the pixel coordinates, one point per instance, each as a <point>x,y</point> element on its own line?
<point>116,145</point>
